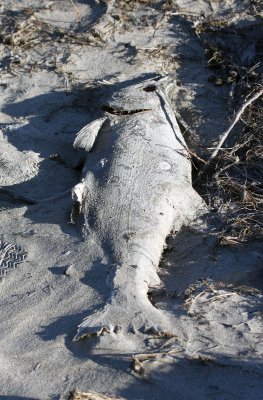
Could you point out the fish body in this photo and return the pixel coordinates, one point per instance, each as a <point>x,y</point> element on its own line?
<point>135,190</point>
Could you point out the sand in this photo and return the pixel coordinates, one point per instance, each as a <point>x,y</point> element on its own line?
<point>55,73</point>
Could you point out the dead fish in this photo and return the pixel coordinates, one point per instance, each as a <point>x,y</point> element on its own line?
<point>135,190</point>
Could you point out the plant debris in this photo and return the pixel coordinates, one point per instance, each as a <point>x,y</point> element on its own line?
<point>78,395</point>
<point>138,360</point>
<point>232,184</point>
<point>214,291</point>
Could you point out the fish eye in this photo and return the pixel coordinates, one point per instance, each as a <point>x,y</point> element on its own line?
<point>107,108</point>
<point>150,88</point>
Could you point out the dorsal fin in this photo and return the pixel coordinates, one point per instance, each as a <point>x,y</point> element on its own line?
<point>87,136</point>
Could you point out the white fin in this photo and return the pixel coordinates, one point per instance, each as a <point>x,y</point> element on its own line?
<point>78,192</point>
<point>87,136</point>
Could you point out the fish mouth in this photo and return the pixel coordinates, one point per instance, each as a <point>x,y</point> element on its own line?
<point>116,111</point>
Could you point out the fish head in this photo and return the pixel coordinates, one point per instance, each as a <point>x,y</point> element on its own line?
<point>132,99</point>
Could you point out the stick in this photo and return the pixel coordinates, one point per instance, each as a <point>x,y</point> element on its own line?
<point>238,115</point>
<point>76,10</point>
<point>226,133</point>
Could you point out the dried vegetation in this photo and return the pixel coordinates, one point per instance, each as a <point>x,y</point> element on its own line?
<point>24,29</point>
<point>140,361</point>
<point>78,395</point>
<point>233,184</point>
<point>214,291</point>
<point>31,44</point>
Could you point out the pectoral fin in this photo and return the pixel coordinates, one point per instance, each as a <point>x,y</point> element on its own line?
<point>87,136</point>
<point>77,194</point>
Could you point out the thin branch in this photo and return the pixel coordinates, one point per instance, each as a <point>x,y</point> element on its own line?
<point>226,133</point>
<point>238,115</point>
<point>76,10</point>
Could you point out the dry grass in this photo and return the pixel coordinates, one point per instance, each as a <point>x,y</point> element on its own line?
<point>236,179</point>
<point>162,57</point>
<point>35,45</point>
<point>139,361</point>
<point>141,14</point>
<point>24,30</point>
<point>214,290</point>
<point>78,395</point>
<point>233,185</point>
<point>131,5</point>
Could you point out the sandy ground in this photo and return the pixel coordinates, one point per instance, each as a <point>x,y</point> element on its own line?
<point>55,68</point>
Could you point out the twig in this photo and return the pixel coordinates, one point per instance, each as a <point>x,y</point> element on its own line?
<point>213,298</point>
<point>76,9</point>
<point>210,287</point>
<point>238,115</point>
<point>226,133</point>
<point>138,359</point>
<point>147,356</point>
<point>194,298</point>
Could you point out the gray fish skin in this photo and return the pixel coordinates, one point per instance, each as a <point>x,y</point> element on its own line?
<point>135,190</point>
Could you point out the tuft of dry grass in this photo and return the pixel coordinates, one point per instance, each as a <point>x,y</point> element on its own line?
<point>139,361</point>
<point>25,30</point>
<point>130,13</point>
<point>214,290</point>
<point>78,395</point>
<point>34,44</point>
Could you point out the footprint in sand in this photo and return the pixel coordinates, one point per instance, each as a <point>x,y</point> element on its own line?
<point>10,256</point>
